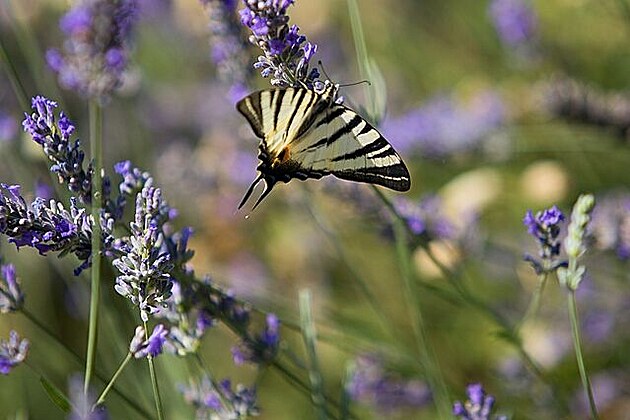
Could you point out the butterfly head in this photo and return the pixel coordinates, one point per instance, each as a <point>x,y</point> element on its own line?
<point>328,91</point>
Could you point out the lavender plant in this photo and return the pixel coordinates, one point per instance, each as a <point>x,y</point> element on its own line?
<point>478,406</point>
<point>12,352</point>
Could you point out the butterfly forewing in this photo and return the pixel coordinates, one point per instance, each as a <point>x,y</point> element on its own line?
<point>304,135</point>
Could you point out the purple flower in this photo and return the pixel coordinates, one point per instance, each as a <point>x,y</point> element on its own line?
<point>371,384</point>
<point>12,352</point>
<point>478,406</point>
<point>214,400</point>
<point>82,403</point>
<point>94,56</point>
<point>54,136</point>
<point>8,127</point>
<point>545,227</point>
<point>11,295</point>
<point>228,48</point>
<point>152,346</point>
<point>443,126</point>
<point>262,348</point>
<point>286,54</point>
<point>514,21</point>
<point>424,218</point>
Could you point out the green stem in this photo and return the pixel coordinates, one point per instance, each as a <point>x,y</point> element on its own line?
<point>310,336</point>
<point>154,382</point>
<point>425,350</point>
<point>16,84</point>
<point>534,304</point>
<point>577,344</point>
<point>96,133</point>
<point>110,384</point>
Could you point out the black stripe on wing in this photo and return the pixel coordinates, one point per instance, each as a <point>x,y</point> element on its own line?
<point>395,176</point>
<point>252,110</point>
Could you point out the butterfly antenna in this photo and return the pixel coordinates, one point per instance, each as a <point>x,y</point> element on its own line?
<point>268,188</point>
<point>250,191</point>
<point>319,62</point>
<point>356,83</point>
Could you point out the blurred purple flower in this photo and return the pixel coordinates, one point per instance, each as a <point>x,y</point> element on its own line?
<point>443,126</point>
<point>478,406</point>
<point>219,401</point>
<point>228,48</point>
<point>12,352</point>
<point>610,225</point>
<point>514,20</point>
<point>286,53</point>
<point>43,190</point>
<point>425,217</point>
<point>11,295</point>
<point>96,51</point>
<point>262,348</point>
<point>83,403</point>
<point>8,127</point>
<point>545,227</point>
<point>371,384</point>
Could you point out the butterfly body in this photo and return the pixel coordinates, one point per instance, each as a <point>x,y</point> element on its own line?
<point>305,134</point>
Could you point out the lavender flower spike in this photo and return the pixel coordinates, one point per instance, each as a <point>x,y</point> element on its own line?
<point>11,296</point>
<point>12,352</point>
<point>262,348</point>
<point>514,21</point>
<point>545,227</point>
<point>54,136</point>
<point>144,269</point>
<point>96,52</point>
<point>478,406</point>
<point>286,53</point>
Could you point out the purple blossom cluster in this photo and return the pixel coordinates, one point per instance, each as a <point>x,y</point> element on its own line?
<point>545,227</point>
<point>424,218</point>
<point>8,127</point>
<point>228,50</point>
<point>479,405</point>
<point>443,126</point>
<point>371,384</point>
<point>95,52</point>
<point>261,348</point>
<point>12,352</point>
<point>151,346</point>
<point>144,267</point>
<point>286,53</point>
<point>220,401</point>
<point>49,227</point>
<point>54,136</point>
<point>514,20</point>
<point>11,295</point>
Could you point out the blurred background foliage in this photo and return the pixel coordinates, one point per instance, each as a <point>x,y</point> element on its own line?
<point>515,145</point>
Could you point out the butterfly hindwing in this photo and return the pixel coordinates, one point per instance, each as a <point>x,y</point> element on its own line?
<point>305,135</point>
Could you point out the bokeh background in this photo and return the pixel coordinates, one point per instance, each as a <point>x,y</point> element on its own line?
<point>489,127</point>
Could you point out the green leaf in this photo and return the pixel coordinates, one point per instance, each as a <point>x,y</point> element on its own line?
<point>56,396</point>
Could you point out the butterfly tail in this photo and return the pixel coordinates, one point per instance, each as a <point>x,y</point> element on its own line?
<point>267,190</point>
<point>250,190</point>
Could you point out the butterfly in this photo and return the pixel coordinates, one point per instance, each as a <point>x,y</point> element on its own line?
<point>306,134</point>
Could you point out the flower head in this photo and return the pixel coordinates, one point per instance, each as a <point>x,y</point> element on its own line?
<point>545,227</point>
<point>12,352</point>
<point>220,401</point>
<point>286,53</point>
<point>11,295</point>
<point>370,383</point>
<point>54,136</point>
<point>152,346</point>
<point>96,51</point>
<point>478,406</point>
<point>514,21</point>
<point>424,218</point>
<point>261,348</point>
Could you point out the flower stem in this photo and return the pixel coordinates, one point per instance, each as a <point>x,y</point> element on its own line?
<point>96,134</point>
<point>426,353</point>
<point>18,87</point>
<point>534,304</point>
<point>310,336</point>
<point>154,383</point>
<point>577,344</point>
<point>110,384</point>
